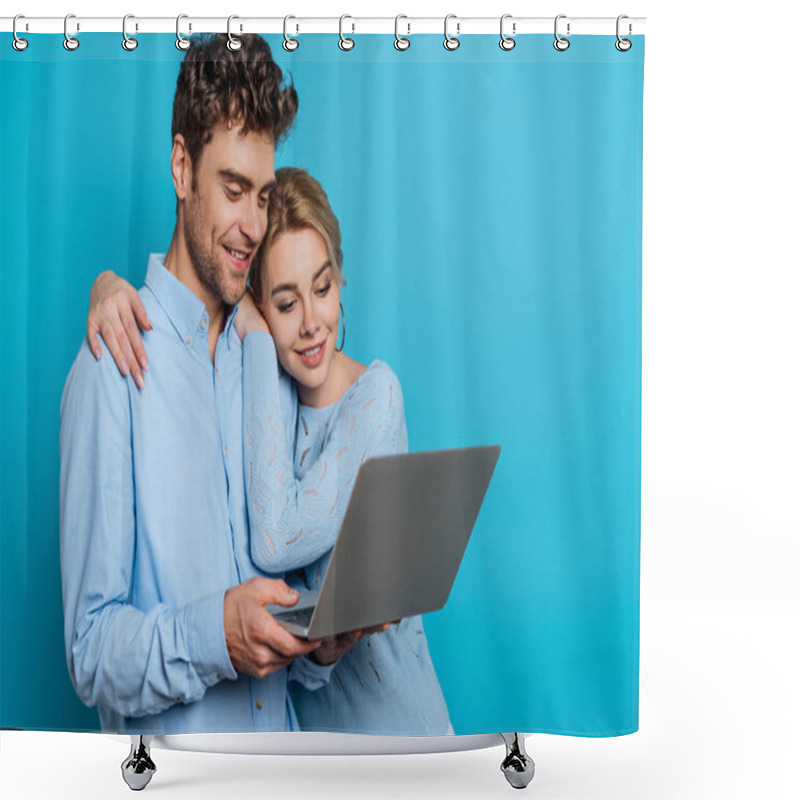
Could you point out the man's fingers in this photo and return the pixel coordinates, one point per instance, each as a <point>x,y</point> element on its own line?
<point>275,660</point>
<point>284,644</point>
<point>378,628</point>
<point>276,592</point>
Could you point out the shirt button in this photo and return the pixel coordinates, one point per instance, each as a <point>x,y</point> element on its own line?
<point>226,451</point>
<point>259,704</point>
<point>188,340</point>
<point>220,677</point>
<point>216,371</point>
<point>203,323</point>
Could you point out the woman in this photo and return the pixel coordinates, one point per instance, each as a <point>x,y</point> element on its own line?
<point>298,491</point>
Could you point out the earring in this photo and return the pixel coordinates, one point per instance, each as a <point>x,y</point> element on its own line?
<point>341,346</point>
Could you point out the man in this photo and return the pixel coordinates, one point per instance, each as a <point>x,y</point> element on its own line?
<point>165,625</point>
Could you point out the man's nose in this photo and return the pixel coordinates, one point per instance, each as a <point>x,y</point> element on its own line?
<point>254,222</point>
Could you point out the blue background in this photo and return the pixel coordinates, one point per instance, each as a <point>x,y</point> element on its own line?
<point>491,210</point>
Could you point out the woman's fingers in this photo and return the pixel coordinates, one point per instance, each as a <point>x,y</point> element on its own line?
<point>113,332</point>
<point>91,335</point>
<point>110,337</point>
<point>130,359</point>
<point>116,313</point>
<point>121,335</point>
<point>139,362</point>
<point>140,312</point>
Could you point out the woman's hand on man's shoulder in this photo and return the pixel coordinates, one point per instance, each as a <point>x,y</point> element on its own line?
<point>116,313</point>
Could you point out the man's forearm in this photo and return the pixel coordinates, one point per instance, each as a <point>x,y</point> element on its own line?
<point>140,663</point>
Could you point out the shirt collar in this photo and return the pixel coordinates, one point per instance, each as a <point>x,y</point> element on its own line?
<point>185,310</point>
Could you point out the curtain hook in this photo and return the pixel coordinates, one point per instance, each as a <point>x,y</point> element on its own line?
<point>70,42</point>
<point>623,45</point>
<point>181,42</point>
<point>234,44</point>
<point>400,42</point>
<point>290,44</point>
<point>128,42</point>
<point>451,42</point>
<point>507,42</point>
<point>345,43</point>
<point>561,43</point>
<point>18,44</point>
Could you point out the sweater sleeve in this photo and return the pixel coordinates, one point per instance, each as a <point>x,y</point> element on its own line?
<point>293,522</point>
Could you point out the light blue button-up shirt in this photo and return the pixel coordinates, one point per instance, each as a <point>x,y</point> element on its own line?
<point>154,529</point>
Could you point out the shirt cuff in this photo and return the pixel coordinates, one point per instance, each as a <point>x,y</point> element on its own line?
<point>205,635</point>
<point>309,674</point>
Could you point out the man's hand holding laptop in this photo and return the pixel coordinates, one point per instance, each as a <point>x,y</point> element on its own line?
<point>258,645</point>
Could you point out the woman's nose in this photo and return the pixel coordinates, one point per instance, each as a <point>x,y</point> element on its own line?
<point>310,321</point>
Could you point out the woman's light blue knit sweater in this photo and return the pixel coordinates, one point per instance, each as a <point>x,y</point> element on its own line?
<point>385,684</point>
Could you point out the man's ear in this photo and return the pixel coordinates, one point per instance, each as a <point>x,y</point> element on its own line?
<point>181,165</point>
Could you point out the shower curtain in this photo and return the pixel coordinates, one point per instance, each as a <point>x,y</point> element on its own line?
<point>490,210</point>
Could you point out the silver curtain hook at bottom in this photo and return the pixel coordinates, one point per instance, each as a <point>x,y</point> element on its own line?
<point>623,45</point>
<point>401,42</point>
<point>19,44</point>
<point>345,42</point>
<point>561,44</point>
<point>234,44</point>
<point>70,42</point>
<point>181,42</point>
<point>290,44</point>
<point>507,42</point>
<point>128,42</point>
<point>451,42</point>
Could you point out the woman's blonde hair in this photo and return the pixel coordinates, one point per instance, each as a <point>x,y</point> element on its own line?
<point>297,202</point>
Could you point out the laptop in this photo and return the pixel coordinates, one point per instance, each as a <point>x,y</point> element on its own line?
<point>402,540</point>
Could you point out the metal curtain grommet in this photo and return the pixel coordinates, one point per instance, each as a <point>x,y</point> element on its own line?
<point>451,42</point>
<point>234,44</point>
<point>18,44</point>
<point>181,42</point>
<point>290,44</point>
<point>507,42</point>
<point>401,42</point>
<point>345,43</point>
<point>128,42</point>
<point>560,43</point>
<point>623,45</point>
<point>70,42</point>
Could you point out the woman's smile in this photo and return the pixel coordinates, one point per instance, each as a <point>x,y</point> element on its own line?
<point>312,356</point>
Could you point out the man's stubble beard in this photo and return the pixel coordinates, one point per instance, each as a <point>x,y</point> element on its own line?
<point>208,269</point>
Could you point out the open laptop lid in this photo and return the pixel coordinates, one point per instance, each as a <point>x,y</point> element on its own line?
<point>404,534</point>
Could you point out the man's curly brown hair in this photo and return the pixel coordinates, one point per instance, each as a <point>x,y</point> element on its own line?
<point>244,87</point>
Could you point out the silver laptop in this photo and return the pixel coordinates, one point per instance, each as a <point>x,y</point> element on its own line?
<point>404,534</point>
